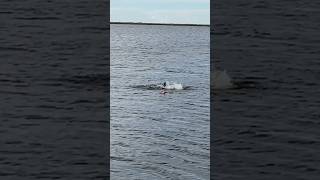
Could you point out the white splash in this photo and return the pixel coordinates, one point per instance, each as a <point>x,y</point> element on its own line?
<point>172,86</point>
<point>221,80</point>
<point>177,86</point>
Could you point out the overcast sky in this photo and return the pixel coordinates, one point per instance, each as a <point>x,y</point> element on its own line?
<point>161,11</point>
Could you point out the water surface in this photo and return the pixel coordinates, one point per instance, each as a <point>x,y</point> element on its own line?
<point>156,136</point>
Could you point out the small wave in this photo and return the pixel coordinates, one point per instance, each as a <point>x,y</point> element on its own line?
<point>169,86</point>
<point>176,86</point>
<point>87,79</point>
<point>147,87</point>
<point>245,84</point>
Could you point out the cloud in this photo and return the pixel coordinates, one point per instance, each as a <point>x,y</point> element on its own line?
<point>199,16</point>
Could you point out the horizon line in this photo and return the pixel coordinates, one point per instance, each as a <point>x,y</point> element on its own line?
<point>166,24</point>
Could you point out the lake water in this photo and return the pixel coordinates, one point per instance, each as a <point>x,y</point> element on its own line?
<point>153,135</point>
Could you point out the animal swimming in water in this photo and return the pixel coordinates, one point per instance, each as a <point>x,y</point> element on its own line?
<point>164,84</point>
<point>163,91</point>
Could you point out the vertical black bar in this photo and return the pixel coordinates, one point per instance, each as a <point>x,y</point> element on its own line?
<point>108,89</point>
<point>53,80</point>
<point>266,126</point>
<point>211,91</point>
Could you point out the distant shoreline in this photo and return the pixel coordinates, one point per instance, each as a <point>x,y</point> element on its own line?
<point>160,24</point>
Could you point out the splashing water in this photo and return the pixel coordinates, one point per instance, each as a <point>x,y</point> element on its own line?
<point>169,86</point>
<point>172,86</point>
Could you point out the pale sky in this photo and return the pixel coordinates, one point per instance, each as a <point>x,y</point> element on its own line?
<point>161,11</point>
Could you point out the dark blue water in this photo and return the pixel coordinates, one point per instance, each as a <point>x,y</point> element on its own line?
<point>156,136</point>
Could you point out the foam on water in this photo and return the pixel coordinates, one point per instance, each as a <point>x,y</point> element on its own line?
<point>169,86</point>
<point>173,86</point>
